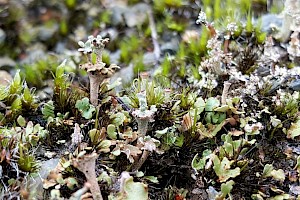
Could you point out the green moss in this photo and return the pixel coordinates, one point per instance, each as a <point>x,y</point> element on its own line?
<point>129,46</point>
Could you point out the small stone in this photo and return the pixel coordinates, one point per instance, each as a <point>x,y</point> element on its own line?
<point>262,71</point>
<point>270,22</point>
<point>5,78</point>
<point>149,58</point>
<point>34,53</point>
<point>7,63</point>
<point>136,15</point>
<point>2,36</point>
<point>117,15</point>
<point>170,47</point>
<point>46,32</point>
<point>295,85</point>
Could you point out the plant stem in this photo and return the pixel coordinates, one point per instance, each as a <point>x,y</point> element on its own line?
<point>95,80</point>
<point>154,36</point>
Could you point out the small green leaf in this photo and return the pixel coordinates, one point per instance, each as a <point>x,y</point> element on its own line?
<point>294,130</point>
<point>222,169</point>
<point>199,163</point>
<point>134,190</point>
<point>71,182</point>
<point>211,104</point>
<point>11,181</point>
<point>118,118</point>
<point>179,140</point>
<point>16,106</point>
<point>28,98</point>
<point>3,92</point>
<point>278,175</point>
<point>268,168</point>
<point>104,146</point>
<point>229,149</point>
<point>160,133</point>
<point>226,188</point>
<point>96,136</point>
<point>85,108</point>
<point>114,84</point>
<point>218,128</point>
<point>199,105</point>
<point>29,128</point>
<point>226,108</point>
<point>111,131</point>
<point>104,177</point>
<point>66,164</point>
<point>16,85</point>
<point>139,174</point>
<point>116,152</point>
<point>48,110</point>
<point>21,121</point>
<point>153,179</point>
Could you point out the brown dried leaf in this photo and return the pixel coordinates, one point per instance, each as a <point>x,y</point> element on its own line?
<point>186,122</point>
<point>236,133</point>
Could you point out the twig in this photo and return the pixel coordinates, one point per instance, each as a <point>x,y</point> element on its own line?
<point>154,36</point>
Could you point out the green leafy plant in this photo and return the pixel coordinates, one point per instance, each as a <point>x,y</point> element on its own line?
<point>18,98</point>
<point>169,138</point>
<point>269,171</point>
<point>85,108</point>
<point>223,168</point>
<point>130,190</point>
<point>48,110</point>
<point>225,191</point>
<point>61,96</point>
<point>294,130</point>
<point>199,163</point>
<point>27,161</point>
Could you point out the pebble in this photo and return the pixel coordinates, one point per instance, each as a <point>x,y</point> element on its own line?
<point>5,78</point>
<point>2,36</point>
<point>136,15</point>
<point>7,63</point>
<point>295,85</point>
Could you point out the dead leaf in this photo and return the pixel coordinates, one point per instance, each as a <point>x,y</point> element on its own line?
<point>236,133</point>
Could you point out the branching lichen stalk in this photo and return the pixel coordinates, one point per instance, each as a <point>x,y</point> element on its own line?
<point>225,92</point>
<point>97,72</point>
<point>138,164</point>
<point>87,166</point>
<point>95,81</point>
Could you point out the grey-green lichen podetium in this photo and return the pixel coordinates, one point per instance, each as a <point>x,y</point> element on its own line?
<point>97,71</point>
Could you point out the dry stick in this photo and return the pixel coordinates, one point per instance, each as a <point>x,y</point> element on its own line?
<point>154,36</point>
<point>87,166</point>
